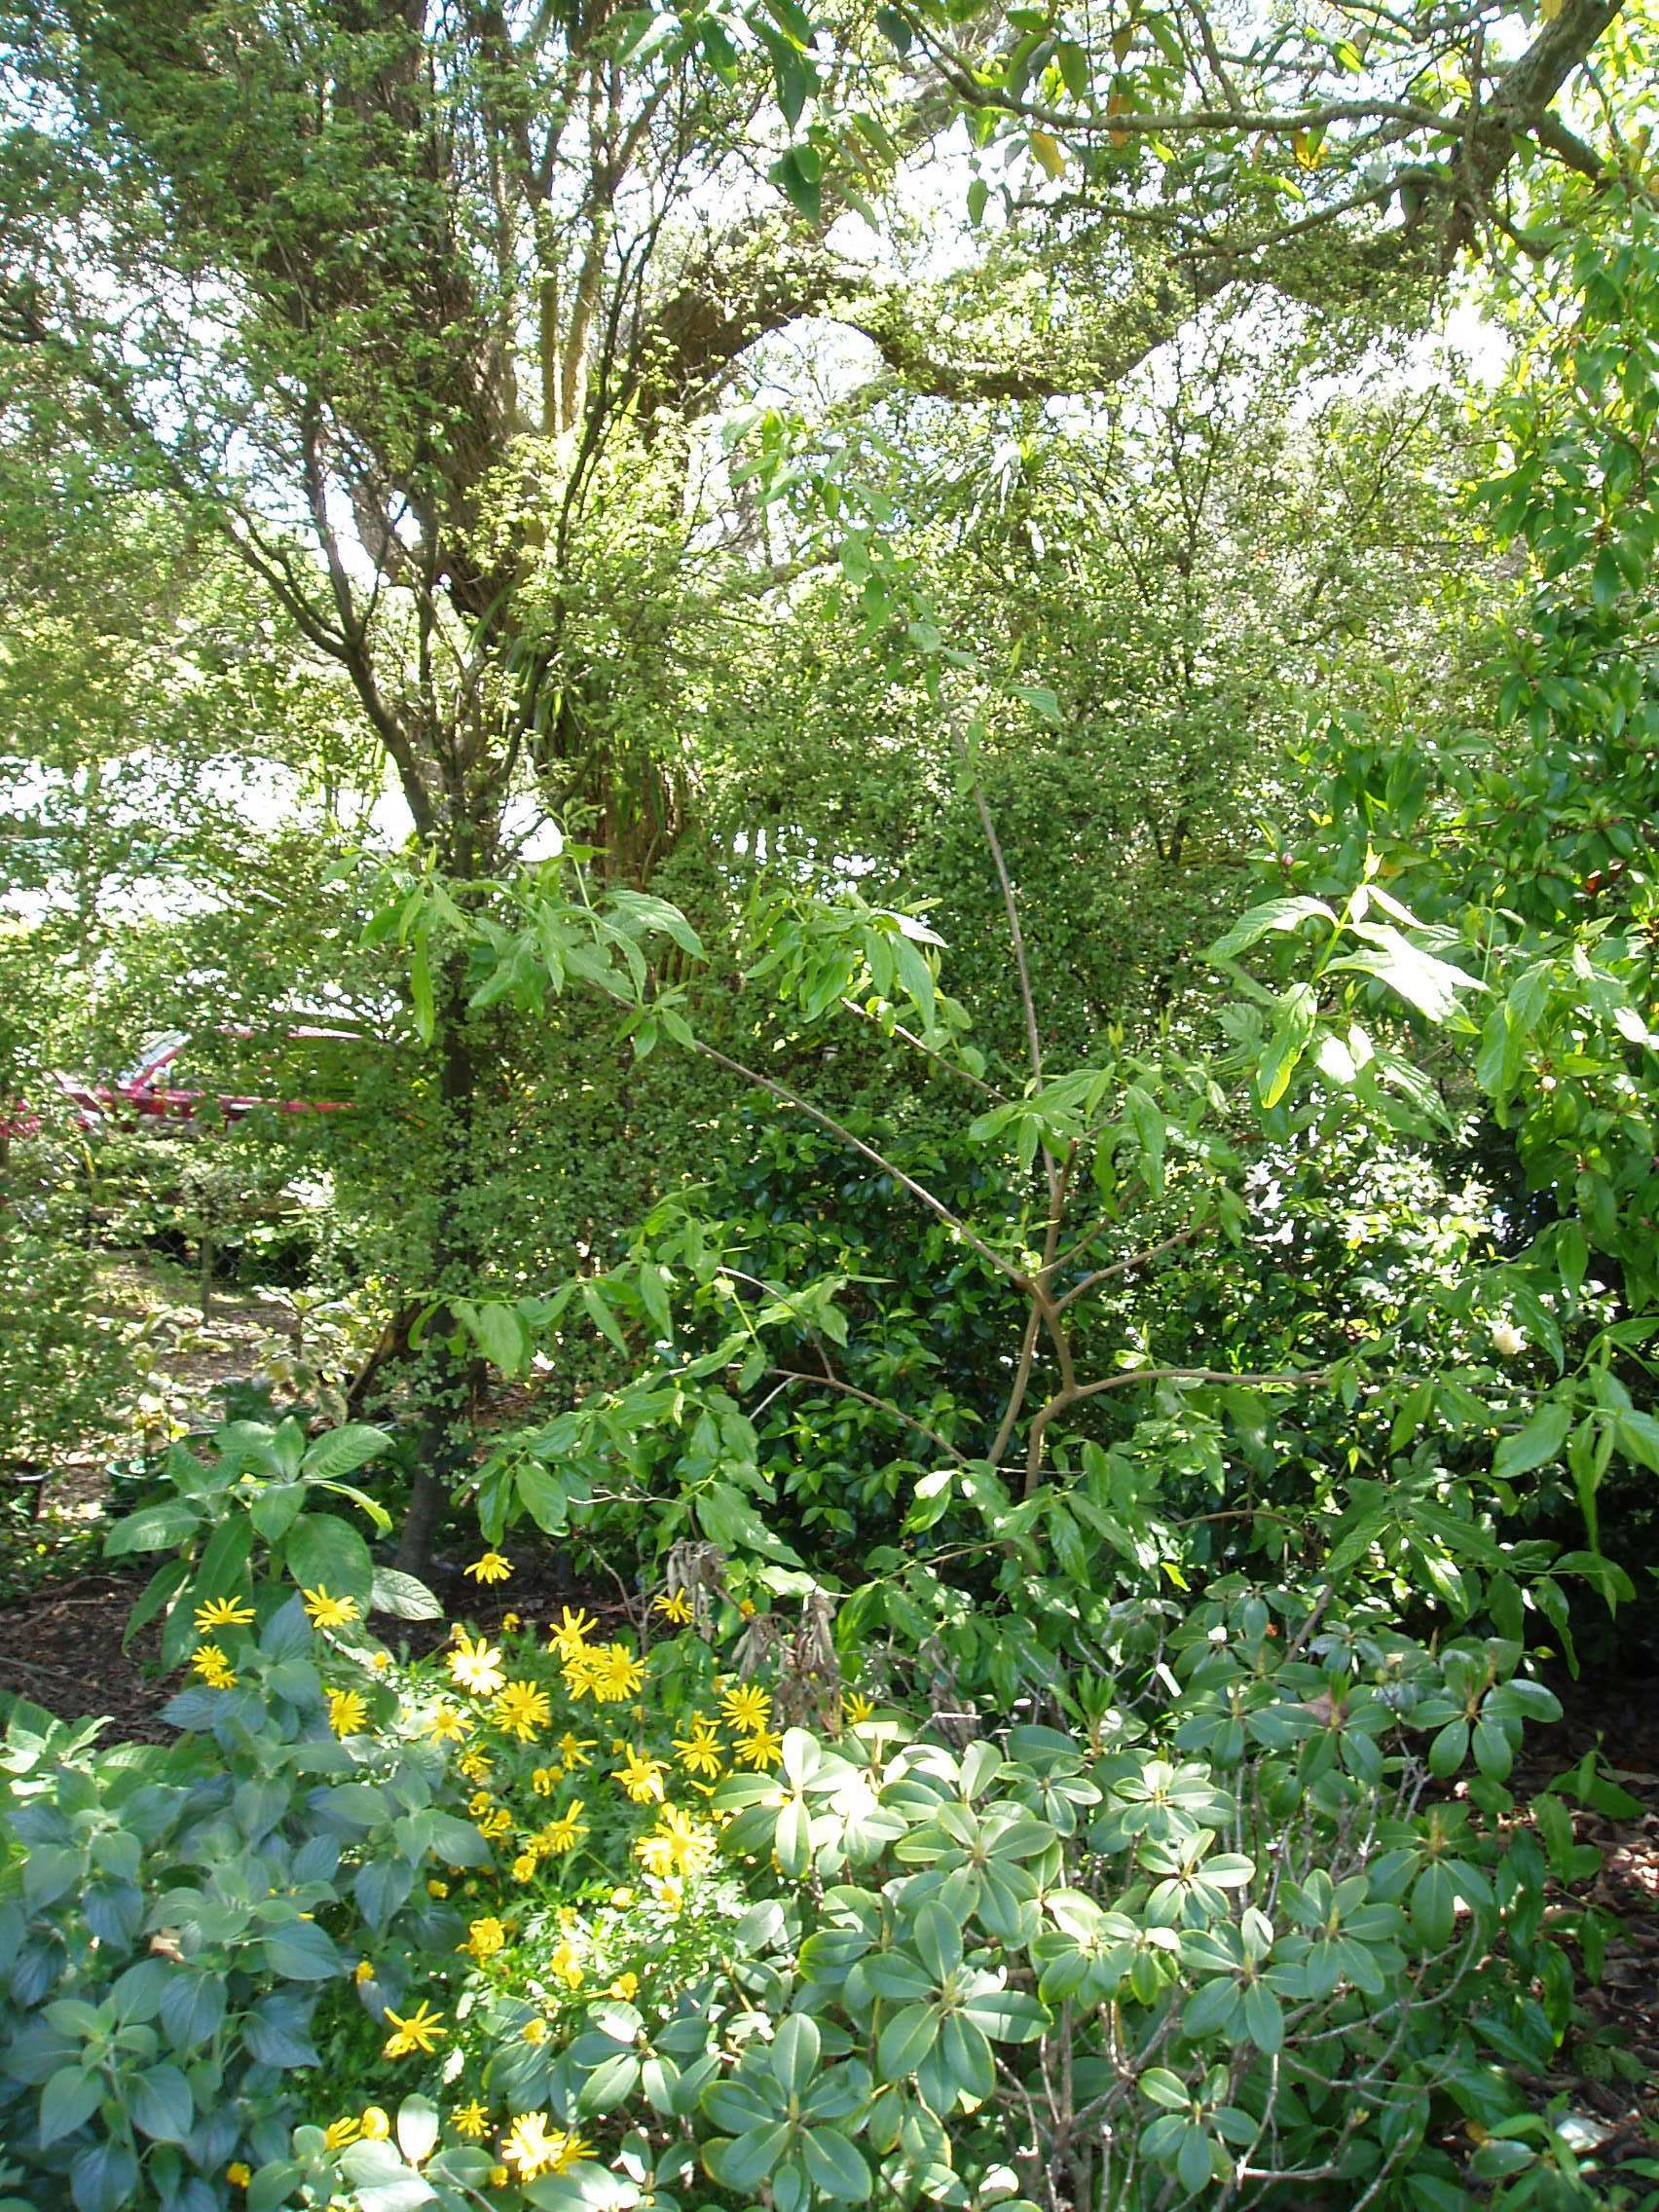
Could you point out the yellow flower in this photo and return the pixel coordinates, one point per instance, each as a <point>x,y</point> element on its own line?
<point>499,2177</point>
<point>376,2125</point>
<point>475,1665</point>
<point>641,1777</point>
<point>530,2147</point>
<point>855,1707</point>
<point>485,1937</point>
<point>570,1634</point>
<point>523,1710</point>
<point>479,1804</point>
<point>565,1832</point>
<point>326,1611</point>
<point>497,1824</point>
<point>544,1780</point>
<point>340,2132</point>
<point>579,1671</point>
<point>762,1750</point>
<point>215,1670</point>
<point>535,2031</point>
<point>523,1868</point>
<point>621,1898</point>
<point>700,1752</point>
<point>362,1971</point>
<point>437,1889</point>
<point>746,1607</point>
<point>670,1895</point>
<point>674,1606</point>
<point>618,1675</point>
<point>574,1754</point>
<point>564,1963</point>
<point>511,1624</point>
<point>222,1613</point>
<point>747,1707</point>
<point>626,1986</point>
<point>237,2175</point>
<point>492,1567</point>
<point>346,1712</point>
<point>448,1725</point>
<point>678,1845</point>
<point>475,1766</point>
<point>470,2120</point>
<point>419,2032</point>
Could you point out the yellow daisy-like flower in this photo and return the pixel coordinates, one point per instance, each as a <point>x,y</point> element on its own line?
<point>346,1712</point>
<point>641,1777</point>
<point>700,1752</point>
<point>485,1937</point>
<point>575,1751</point>
<point>215,1670</point>
<point>222,1613</point>
<point>475,1766</point>
<point>746,1706</point>
<point>495,1824</point>
<point>363,1971</point>
<point>855,1707</point>
<point>492,1567</point>
<point>674,1606</point>
<point>746,1607</point>
<point>569,1635</point>
<point>511,1623</point>
<point>531,2146</point>
<point>475,1665</point>
<point>544,1780</point>
<point>327,1611</point>
<point>499,2177</point>
<point>678,1845</point>
<point>448,1725</point>
<point>376,2124</point>
<point>626,1986</point>
<point>523,1710</point>
<point>564,1965</point>
<point>478,1804</point>
<point>470,2120</point>
<point>670,1895</point>
<point>437,1889</point>
<point>420,2030</point>
<point>535,2031</point>
<point>338,2133</point>
<point>523,1868</point>
<point>565,1832</point>
<point>237,2175</point>
<point>617,1676</point>
<point>762,1748</point>
<point>579,1671</point>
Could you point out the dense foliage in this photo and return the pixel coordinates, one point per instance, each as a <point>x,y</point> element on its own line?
<point>896,861</point>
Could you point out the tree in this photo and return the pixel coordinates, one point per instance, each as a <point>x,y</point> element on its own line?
<point>422,309</point>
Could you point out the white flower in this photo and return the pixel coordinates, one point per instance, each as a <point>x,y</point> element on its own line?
<point>1507,1338</point>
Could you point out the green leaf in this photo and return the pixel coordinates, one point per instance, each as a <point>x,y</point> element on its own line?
<point>800,175</point>
<point>161,2104</point>
<point>420,992</point>
<point>343,1451</point>
<point>67,2102</point>
<point>796,2050</point>
<point>835,2168</point>
<point>155,1528</point>
<point>1278,914</point>
<point>1541,1440</point>
<point>323,1549</point>
<point>1293,1025</point>
<point>403,1595</point>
